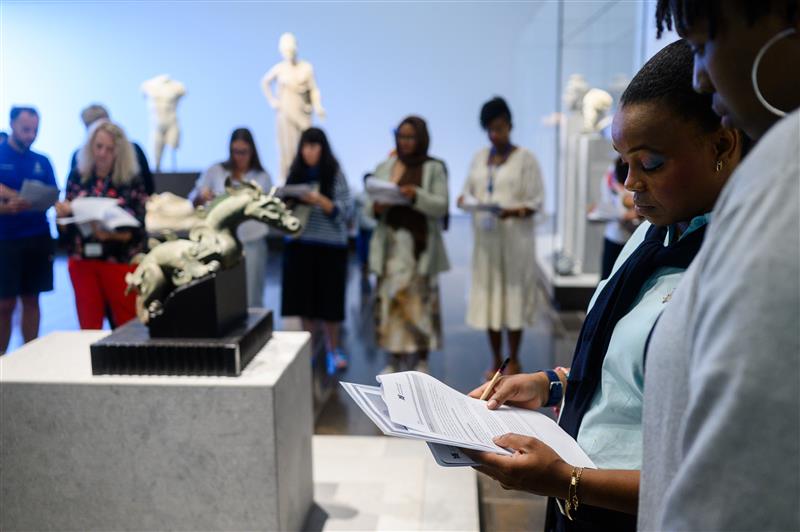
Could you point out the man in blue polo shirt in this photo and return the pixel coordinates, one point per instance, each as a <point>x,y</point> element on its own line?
<point>26,248</point>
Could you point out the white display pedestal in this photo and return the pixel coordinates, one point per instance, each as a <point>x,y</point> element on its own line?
<point>84,452</point>
<point>381,483</point>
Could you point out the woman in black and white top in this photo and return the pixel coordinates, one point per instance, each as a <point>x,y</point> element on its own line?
<point>315,263</point>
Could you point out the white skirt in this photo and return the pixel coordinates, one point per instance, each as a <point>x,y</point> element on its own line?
<point>503,292</point>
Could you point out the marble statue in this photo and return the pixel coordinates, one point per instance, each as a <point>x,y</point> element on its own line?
<point>574,91</point>
<point>296,99</point>
<point>212,245</point>
<point>596,106</point>
<point>163,95</point>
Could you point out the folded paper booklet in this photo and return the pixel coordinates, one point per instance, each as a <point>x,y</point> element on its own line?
<point>106,211</point>
<point>385,192</point>
<point>471,204</point>
<point>295,191</point>
<point>414,405</point>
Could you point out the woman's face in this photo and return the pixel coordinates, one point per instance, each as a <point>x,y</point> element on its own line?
<point>242,154</point>
<point>103,151</point>
<point>723,67</point>
<point>406,140</point>
<point>499,131</point>
<point>311,153</point>
<point>671,162</point>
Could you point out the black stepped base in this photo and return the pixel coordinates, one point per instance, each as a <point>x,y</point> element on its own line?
<point>130,350</point>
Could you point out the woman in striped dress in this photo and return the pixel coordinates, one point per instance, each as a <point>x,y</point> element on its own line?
<point>315,263</point>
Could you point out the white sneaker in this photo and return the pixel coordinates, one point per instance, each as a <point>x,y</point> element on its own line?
<point>422,367</point>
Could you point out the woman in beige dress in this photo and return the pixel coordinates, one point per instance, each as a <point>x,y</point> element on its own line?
<point>504,188</point>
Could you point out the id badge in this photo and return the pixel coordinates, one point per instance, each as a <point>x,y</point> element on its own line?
<point>487,221</point>
<point>92,250</point>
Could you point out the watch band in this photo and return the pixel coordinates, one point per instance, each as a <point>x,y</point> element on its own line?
<point>556,388</point>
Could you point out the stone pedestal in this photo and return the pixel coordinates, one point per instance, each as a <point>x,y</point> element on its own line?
<point>84,452</point>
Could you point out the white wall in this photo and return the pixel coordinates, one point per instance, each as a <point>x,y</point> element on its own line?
<point>375,63</point>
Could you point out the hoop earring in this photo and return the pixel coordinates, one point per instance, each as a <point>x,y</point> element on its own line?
<point>754,73</point>
<point>719,166</point>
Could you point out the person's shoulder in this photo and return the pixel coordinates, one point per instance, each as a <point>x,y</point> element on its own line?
<point>42,159</point>
<point>436,164</point>
<point>5,151</point>
<point>482,153</point>
<point>385,165</point>
<point>525,154</point>
<point>216,168</point>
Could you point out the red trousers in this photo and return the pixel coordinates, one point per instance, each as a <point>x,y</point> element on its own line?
<point>99,284</point>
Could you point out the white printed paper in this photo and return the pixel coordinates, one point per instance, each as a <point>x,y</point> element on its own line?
<point>415,405</point>
<point>385,192</point>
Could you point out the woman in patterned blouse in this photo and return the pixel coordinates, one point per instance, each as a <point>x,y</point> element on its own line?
<point>99,255</point>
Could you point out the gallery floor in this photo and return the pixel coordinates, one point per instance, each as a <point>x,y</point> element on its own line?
<point>461,363</point>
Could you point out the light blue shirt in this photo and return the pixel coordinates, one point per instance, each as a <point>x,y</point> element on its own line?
<point>611,430</point>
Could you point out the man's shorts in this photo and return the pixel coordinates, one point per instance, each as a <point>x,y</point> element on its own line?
<point>26,266</point>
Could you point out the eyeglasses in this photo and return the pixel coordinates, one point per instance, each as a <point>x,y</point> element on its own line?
<point>242,151</point>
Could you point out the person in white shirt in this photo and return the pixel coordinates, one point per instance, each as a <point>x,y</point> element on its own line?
<point>503,291</point>
<point>242,165</point>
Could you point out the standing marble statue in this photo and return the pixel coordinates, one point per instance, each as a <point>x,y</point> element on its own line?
<point>296,99</point>
<point>163,94</point>
<point>596,106</point>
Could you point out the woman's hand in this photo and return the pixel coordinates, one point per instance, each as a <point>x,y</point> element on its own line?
<point>11,202</point>
<point>526,390</point>
<point>409,191</point>
<point>319,200</point>
<point>518,212</point>
<point>534,467</point>
<point>63,209</point>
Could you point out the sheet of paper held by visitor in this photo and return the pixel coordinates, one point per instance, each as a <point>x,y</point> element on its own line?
<point>40,196</point>
<point>415,405</point>
<point>472,204</point>
<point>104,210</point>
<point>297,190</point>
<point>386,192</point>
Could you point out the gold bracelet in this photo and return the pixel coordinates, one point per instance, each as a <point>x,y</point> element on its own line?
<point>572,501</point>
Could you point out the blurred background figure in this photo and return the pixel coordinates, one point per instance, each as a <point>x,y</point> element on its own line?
<point>503,292</point>
<point>616,209</point>
<point>26,248</point>
<point>99,257</point>
<point>242,165</point>
<point>365,225</point>
<point>407,252</point>
<point>315,262</point>
<point>95,112</point>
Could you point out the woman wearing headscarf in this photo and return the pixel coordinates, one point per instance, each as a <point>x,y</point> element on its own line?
<point>407,251</point>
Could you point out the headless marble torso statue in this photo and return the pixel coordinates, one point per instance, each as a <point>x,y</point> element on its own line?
<point>163,95</point>
<point>296,99</point>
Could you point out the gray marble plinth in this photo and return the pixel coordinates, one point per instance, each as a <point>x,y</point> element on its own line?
<point>84,452</point>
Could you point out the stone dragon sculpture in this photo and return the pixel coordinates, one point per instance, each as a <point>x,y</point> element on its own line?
<point>212,245</point>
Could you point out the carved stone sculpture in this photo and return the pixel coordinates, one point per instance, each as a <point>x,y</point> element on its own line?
<point>596,105</point>
<point>212,245</point>
<point>296,99</point>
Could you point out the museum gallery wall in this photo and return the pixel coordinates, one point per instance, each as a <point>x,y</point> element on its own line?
<point>373,63</point>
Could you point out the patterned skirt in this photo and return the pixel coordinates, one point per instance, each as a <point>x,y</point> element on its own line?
<point>407,310</point>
